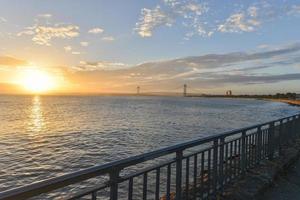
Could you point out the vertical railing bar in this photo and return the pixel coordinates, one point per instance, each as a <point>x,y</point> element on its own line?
<point>255,148</point>
<point>240,156</point>
<point>157,186</point>
<point>231,160</point>
<point>261,157</point>
<point>294,127</point>
<point>215,166</point>
<point>145,186</point>
<point>168,181</point>
<point>130,188</point>
<point>208,172</point>
<point>187,176</point>
<point>226,163</point>
<point>221,163</point>
<point>243,156</point>
<point>289,129</point>
<point>235,159</point>
<point>252,149</point>
<point>265,142</point>
<point>94,195</point>
<point>248,152</point>
<point>259,142</point>
<point>202,173</point>
<point>195,175</point>
<point>271,141</point>
<point>113,178</point>
<point>178,174</point>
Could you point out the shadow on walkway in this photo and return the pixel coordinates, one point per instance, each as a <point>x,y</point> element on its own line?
<point>286,187</point>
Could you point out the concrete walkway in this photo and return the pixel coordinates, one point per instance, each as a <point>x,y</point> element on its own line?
<point>287,187</point>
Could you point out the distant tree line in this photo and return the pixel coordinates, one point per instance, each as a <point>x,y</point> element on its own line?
<point>287,95</point>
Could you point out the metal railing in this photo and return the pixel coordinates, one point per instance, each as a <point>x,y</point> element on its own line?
<point>197,169</point>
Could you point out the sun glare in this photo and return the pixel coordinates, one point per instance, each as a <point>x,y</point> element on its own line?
<point>37,81</point>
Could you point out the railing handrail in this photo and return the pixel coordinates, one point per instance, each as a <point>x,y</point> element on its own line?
<point>75,177</point>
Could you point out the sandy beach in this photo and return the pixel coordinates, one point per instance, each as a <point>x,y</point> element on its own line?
<point>291,102</point>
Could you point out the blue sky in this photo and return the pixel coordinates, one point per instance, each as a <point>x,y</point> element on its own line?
<point>96,35</point>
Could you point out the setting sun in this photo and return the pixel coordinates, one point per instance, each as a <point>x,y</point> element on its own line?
<point>37,81</point>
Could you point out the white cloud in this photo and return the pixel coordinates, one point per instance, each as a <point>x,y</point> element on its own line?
<point>204,18</point>
<point>108,38</point>
<point>76,53</point>
<point>152,19</point>
<point>263,46</point>
<point>239,22</point>
<point>252,11</point>
<point>191,9</point>
<point>26,32</point>
<point>68,48</point>
<point>100,65</point>
<point>43,35</point>
<point>2,19</point>
<point>96,31</point>
<point>189,13</point>
<point>46,15</point>
<point>294,10</point>
<point>84,44</point>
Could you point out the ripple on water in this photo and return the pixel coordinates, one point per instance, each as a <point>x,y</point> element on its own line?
<point>43,137</point>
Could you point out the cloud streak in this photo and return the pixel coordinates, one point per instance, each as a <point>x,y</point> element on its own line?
<point>11,61</point>
<point>207,71</point>
<point>96,30</point>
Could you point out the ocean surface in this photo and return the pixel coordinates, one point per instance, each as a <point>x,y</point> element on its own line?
<point>46,136</point>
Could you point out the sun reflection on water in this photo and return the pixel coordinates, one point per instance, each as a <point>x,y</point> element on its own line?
<point>36,116</point>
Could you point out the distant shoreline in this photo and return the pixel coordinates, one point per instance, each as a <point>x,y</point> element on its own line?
<point>288,101</point>
<point>257,97</point>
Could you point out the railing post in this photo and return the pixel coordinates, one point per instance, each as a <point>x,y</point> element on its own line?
<point>221,161</point>
<point>215,166</point>
<point>271,141</point>
<point>94,196</point>
<point>259,145</point>
<point>298,126</point>
<point>179,156</point>
<point>289,130</point>
<point>294,127</point>
<point>243,156</point>
<point>280,137</point>
<point>113,178</point>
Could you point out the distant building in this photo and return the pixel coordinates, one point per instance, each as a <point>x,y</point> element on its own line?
<point>228,93</point>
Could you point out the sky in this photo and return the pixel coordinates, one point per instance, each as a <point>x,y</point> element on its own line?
<point>97,46</point>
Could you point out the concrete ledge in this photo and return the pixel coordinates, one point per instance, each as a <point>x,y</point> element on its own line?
<point>262,177</point>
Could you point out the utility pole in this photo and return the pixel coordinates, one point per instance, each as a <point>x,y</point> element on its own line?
<point>184,90</point>
<point>138,90</point>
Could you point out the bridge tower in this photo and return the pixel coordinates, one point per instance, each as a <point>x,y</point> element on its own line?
<point>184,90</point>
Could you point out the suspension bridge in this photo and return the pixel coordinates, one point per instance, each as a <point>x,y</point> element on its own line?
<point>182,90</point>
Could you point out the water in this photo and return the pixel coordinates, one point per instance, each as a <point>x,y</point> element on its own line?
<point>47,136</point>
